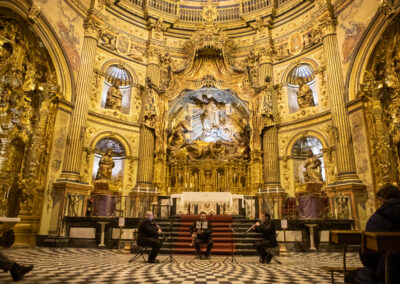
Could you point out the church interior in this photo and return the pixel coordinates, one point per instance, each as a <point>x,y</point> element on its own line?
<point>233,108</point>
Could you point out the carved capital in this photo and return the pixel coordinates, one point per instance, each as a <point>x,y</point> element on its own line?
<point>34,12</point>
<point>327,25</point>
<point>387,7</point>
<point>92,27</point>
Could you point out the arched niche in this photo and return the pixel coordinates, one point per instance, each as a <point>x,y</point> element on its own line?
<point>117,89</point>
<point>118,154</point>
<point>301,151</point>
<point>301,87</point>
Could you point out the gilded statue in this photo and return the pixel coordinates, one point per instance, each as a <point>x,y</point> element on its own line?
<point>312,167</point>
<point>304,94</point>
<point>114,96</point>
<point>150,111</point>
<point>106,164</point>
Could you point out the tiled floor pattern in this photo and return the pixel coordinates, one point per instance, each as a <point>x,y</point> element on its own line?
<point>74,265</point>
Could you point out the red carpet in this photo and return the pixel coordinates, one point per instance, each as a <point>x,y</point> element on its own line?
<point>222,235</point>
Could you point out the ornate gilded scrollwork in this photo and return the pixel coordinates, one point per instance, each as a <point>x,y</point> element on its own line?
<point>28,101</point>
<point>381,94</point>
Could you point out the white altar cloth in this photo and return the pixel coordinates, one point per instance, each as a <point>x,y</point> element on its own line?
<point>208,201</point>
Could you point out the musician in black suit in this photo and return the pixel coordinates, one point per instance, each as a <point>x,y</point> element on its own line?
<point>148,233</point>
<point>201,232</point>
<point>267,228</point>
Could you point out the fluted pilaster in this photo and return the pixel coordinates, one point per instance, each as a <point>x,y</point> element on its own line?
<point>76,132</point>
<point>346,167</point>
<point>271,156</point>
<point>146,156</point>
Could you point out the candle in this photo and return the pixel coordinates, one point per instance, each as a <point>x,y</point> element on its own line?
<point>156,189</point>
<point>259,190</point>
<point>138,188</point>
<point>267,190</point>
<point>147,189</point>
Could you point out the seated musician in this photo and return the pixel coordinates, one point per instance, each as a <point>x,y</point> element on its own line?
<point>201,233</point>
<point>148,233</point>
<point>385,219</point>
<point>267,228</point>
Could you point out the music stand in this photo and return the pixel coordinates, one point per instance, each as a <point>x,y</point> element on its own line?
<point>232,256</point>
<point>170,258</point>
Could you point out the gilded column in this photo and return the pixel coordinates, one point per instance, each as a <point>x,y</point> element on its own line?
<point>271,175</point>
<point>346,167</point>
<point>147,136</point>
<point>271,157</point>
<point>76,133</point>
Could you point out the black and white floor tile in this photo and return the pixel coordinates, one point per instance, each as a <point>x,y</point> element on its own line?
<point>106,266</point>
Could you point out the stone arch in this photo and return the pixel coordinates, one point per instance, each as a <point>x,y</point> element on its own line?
<point>120,138</point>
<point>308,61</point>
<point>124,65</point>
<point>364,50</point>
<point>302,134</point>
<point>41,27</point>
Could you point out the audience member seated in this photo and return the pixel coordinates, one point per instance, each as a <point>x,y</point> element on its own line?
<point>385,219</point>
<point>17,270</point>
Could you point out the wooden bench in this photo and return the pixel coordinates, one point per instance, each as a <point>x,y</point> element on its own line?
<point>333,269</point>
<point>345,238</point>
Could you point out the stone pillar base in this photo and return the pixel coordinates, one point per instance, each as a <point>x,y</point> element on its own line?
<point>63,189</point>
<point>357,194</point>
<point>26,232</point>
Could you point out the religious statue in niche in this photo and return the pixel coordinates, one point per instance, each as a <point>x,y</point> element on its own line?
<point>304,94</point>
<point>312,167</point>
<point>114,96</point>
<point>106,165</point>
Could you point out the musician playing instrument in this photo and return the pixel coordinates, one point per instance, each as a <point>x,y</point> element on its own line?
<point>148,233</point>
<point>201,233</point>
<point>267,228</point>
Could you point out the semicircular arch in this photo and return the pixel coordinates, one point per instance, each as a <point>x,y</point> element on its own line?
<point>286,73</point>
<point>123,65</point>
<point>307,133</point>
<point>114,135</point>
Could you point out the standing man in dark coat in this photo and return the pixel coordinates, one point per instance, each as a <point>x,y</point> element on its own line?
<point>201,232</point>
<point>385,219</point>
<point>148,233</point>
<point>267,228</point>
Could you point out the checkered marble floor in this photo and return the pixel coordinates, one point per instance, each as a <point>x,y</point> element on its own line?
<point>74,265</point>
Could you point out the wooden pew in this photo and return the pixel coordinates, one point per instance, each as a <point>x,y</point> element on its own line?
<point>382,242</point>
<point>345,238</point>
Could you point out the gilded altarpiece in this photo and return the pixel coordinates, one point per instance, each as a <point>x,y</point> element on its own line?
<point>207,116</point>
<point>381,97</point>
<point>29,97</point>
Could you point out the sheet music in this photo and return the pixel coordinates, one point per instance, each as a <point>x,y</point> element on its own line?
<point>200,227</point>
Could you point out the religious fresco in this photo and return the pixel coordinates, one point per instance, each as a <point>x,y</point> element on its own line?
<point>69,28</point>
<point>352,23</point>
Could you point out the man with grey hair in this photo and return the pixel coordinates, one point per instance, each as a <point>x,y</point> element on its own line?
<point>148,232</point>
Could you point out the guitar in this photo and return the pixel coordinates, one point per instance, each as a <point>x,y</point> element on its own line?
<point>199,231</point>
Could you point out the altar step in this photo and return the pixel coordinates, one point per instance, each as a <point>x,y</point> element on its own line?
<point>222,235</point>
